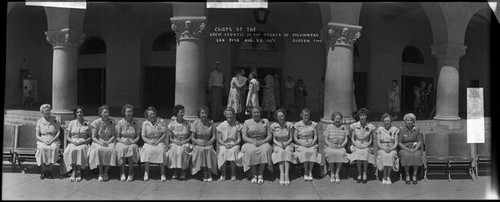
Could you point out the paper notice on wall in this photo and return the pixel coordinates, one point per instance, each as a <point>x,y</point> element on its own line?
<point>78,4</point>
<point>475,115</point>
<point>236,3</point>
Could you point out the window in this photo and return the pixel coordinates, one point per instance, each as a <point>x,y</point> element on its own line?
<point>166,41</point>
<point>93,45</point>
<point>412,55</point>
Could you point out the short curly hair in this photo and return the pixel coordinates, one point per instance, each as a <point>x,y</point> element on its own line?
<point>102,108</point>
<point>303,111</point>
<point>385,115</point>
<point>77,108</point>
<point>150,109</point>
<point>363,111</point>
<point>177,109</point>
<point>203,108</point>
<point>411,116</point>
<point>125,107</point>
<point>334,114</point>
<point>282,110</point>
<point>45,106</point>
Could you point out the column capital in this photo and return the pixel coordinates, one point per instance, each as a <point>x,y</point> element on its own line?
<point>448,50</point>
<point>65,38</point>
<point>339,34</point>
<point>189,27</point>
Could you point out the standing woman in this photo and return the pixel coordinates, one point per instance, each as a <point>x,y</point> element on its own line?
<point>394,101</point>
<point>300,94</point>
<point>234,98</point>
<point>102,151</point>
<point>387,158</point>
<point>155,142</point>
<point>289,93</point>
<point>127,135</point>
<point>361,138</point>
<point>253,92</point>
<point>228,137</point>
<point>336,136</point>
<point>179,136</point>
<point>47,146</point>
<point>277,90</point>
<point>410,141</point>
<point>306,136</point>
<point>256,150</point>
<point>282,132</point>
<point>203,137</point>
<point>78,135</point>
<point>269,101</point>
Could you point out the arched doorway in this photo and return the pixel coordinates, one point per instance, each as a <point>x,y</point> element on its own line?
<point>92,72</point>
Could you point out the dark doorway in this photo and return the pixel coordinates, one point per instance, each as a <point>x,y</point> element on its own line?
<point>91,86</point>
<point>159,88</point>
<point>360,89</point>
<point>408,84</point>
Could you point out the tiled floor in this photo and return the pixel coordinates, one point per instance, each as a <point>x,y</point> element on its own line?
<point>18,186</point>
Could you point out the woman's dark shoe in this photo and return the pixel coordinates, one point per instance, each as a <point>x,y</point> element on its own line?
<point>408,181</point>
<point>364,181</point>
<point>415,182</point>
<point>359,179</point>
<point>49,174</point>
<point>42,176</point>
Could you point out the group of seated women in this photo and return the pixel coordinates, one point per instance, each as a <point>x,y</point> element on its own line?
<point>181,145</point>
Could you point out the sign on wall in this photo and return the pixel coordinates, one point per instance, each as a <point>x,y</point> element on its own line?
<point>475,115</point>
<point>78,4</point>
<point>236,3</point>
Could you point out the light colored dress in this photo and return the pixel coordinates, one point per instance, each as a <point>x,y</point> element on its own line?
<point>337,136</point>
<point>128,131</point>
<point>410,138</point>
<point>203,156</point>
<point>253,93</point>
<point>306,132</point>
<point>179,156</point>
<point>388,139</point>
<point>268,99</point>
<point>361,135</point>
<point>154,153</point>
<point>253,155</point>
<point>282,134</point>
<point>289,93</point>
<point>234,98</point>
<point>229,134</point>
<point>78,155</point>
<point>394,101</point>
<point>47,154</point>
<point>100,155</point>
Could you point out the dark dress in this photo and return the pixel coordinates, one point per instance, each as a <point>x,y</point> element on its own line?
<point>410,138</point>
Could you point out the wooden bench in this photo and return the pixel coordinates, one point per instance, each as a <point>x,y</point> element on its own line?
<point>10,133</point>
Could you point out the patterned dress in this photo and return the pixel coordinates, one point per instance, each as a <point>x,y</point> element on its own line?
<point>179,156</point>
<point>229,134</point>
<point>362,136</point>
<point>154,153</point>
<point>337,136</point>
<point>282,134</point>
<point>305,132</point>
<point>387,138</point>
<point>47,154</point>
<point>234,98</point>
<point>101,155</point>
<point>253,93</point>
<point>410,138</point>
<point>78,155</point>
<point>269,101</point>
<point>128,131</point>
<point>203,156</point>
<point>253,155</point>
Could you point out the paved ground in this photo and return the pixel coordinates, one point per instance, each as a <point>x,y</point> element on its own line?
<point>28,186</point>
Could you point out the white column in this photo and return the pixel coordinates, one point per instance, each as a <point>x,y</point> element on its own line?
<point>448,55</point>
<point>339,39</point>
<point>189,85</point>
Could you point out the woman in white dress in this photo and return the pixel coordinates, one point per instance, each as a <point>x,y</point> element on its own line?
<point>155,142</point>
<point>253,92</point>
<point>102,151</point>
<point>128,132</point>
<point>78,135</point>
<point>229,138</point>
<point>47,134</point>
<point>234,98</point>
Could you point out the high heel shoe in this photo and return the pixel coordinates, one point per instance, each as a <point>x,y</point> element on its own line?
<point>260,179</point>
<point>146,176</point>
<point>415,180</point>
<point>407,180</point>
<point>359,179</point>
<point>254,180</point>
<point>163,178</point>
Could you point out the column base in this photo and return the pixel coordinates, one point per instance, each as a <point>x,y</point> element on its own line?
<point>63,115</point>
<point>447,118</point>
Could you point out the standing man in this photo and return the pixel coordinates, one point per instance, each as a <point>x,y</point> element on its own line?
<point>216,90</point>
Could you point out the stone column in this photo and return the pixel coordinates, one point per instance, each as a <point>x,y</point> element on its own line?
<point>65,44</point>
<point>189,73</point>
<point>448,55</point>
<point>339,91</point>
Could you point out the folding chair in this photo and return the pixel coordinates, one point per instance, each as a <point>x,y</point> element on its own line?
<point>10,134</point>
<point>435,152</point>
<point>483,155</point>
<point>460,152</point>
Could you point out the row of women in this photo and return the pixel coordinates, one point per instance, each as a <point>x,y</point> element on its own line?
<point>181,145</point>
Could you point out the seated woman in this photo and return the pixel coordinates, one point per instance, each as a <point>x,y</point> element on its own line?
<point>155,142</point>
<point>336,136</point>
<point>78,135</point>
<point>203,137</point>
<point>47,145</point>
<point>180,148</point>
<point>361,138</point>
<point>282,132</point>
<point>410,140</point>
<point>256,150</point>
<point>306,136</point>
<point>228,137</point>
<point>102,151</point>
<point>127,135</point>
<point>387,137</point>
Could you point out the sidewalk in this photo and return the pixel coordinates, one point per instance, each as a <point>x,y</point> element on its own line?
<point>18,186</point>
